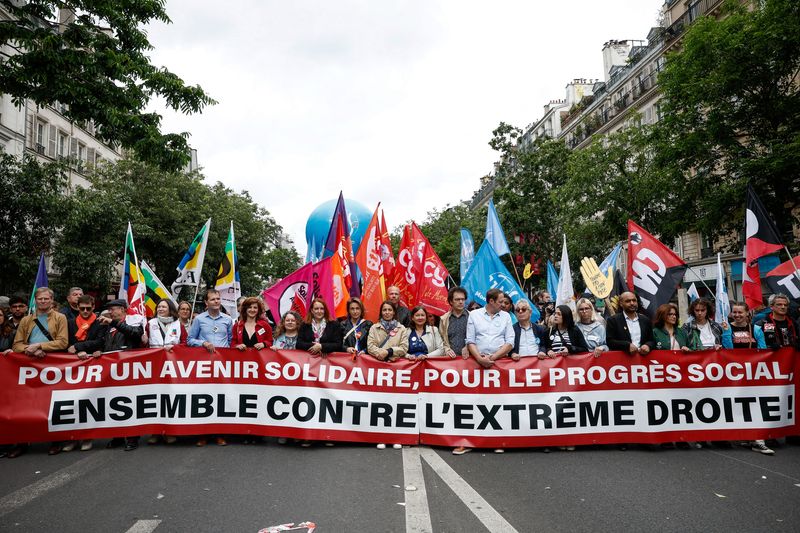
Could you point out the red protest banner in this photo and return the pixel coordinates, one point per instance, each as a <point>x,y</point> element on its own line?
<point>668,396</point>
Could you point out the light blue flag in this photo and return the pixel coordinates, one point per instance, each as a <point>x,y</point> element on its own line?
<point>41,281</point>
<point>467,252</point>
<point>494,231</point>
<point>611,260</point>
<point>723,303</point>
<point>692,293</point>
<point>488,272</point>
<point>552,279</point>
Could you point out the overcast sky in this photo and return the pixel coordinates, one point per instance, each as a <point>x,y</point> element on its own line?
<point>389,101</point>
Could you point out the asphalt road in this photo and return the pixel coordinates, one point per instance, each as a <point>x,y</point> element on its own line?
<point>359,488</point>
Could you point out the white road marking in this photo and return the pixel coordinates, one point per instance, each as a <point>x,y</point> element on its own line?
<point>25,495</point>
<point>791,478</point>
<point>144,526</point>
<point>418,515</point>
<point>489,517</point>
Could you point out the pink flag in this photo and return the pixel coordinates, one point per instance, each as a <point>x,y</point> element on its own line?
<point>289,293</point>
<point>321,285</point>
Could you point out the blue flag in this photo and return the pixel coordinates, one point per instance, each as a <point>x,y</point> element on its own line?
<point>611,260</point>
<point>723,302</point>
<point>41,281</point>
<point>692,293</point>
<point>552,279</point>
<point>494,231</point>
<point>488,272</point>
<point>467,252</point>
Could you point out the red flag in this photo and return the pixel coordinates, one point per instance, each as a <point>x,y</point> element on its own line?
<point>763,238</point>
<point>409,266</point>
<point>387,254</point>
<point>341,278</point>
<point>654,271</point>
<point>370,264</point>
<point>785,278</point>
<point>431,286</point>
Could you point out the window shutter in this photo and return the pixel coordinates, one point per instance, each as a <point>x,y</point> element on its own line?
<point>90,155</point>
<point>51,142</point>
<point>73,149</point>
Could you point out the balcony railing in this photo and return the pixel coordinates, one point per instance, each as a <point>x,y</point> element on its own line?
<point>693,12</point>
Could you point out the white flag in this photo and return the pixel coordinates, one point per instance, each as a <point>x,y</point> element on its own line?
<point>565,294</point>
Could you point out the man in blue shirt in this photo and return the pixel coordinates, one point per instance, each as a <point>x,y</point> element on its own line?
<point>490,335</point>
<point>212,329</point>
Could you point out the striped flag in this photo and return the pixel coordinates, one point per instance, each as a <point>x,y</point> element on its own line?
<point>155,291</point>
<point>41,281</point>
<point>131,289</point>
<point>191,266</point>
<point>228,277</point>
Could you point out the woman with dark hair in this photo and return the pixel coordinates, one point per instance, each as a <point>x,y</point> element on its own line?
<point>708,332</point>
<point>287,330</point>
<point>388,341</point>
<point>742,334</point>
<point>564,337</point>
<point>667,334</point>
<point>355,328</point>
<point>164,329</point>
<point>423,340</point>
<point>319,335</point>
<point>251,331</point>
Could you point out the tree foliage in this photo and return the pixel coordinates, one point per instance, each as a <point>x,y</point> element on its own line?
<point>165,210</point>
<point>96,64</point>
<point>731,114</point>
<point>32,199</point>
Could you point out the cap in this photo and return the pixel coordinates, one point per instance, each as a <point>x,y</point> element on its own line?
<point>117,303</point>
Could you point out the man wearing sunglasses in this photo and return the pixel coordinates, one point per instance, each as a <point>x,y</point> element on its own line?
<point>86,333</point>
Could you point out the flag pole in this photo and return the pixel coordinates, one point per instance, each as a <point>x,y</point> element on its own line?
<point>703,282</point>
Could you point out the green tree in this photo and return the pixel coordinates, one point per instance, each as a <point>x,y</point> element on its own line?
<point>166,210</point>
<point>95,62</point>
<point>526,195</point>
<point>616,178</point>
<point>731,114</point>
<point>33,204</point>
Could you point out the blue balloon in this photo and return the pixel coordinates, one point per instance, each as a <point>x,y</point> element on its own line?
<point>319,223</point>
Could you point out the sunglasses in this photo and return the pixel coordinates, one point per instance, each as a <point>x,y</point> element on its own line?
<point>521,310</point>
<point>82,308</point>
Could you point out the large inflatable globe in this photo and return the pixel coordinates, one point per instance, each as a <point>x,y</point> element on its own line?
<point>319,222</point>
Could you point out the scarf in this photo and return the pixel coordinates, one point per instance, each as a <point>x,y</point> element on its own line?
<point>318,328</point>
<point>83,326</point>
<point>389,326</point>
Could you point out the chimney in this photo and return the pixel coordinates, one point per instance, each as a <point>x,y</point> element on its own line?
<point>615,53</point>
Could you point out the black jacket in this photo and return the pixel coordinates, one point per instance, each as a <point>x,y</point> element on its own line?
<point>576,343</point>
<point>95,337</point>
<point>619,338</point>
<point>539,331</point>
<point>349,341</point>
<point>122,336</point>
<point>331,339</point>
<point>403,315</point>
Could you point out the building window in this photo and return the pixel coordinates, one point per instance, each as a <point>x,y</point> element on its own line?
<point>41,136</point>
<point>62,144</point>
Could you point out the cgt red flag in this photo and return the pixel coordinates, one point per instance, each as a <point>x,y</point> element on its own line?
<point>431,287</point>
<point>763,238</point>
<point>654,271</point>
<point>387,254</point>
<point>408,270</point>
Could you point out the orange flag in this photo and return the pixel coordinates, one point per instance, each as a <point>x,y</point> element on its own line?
<point>387,255</point>
<point>370,264</point>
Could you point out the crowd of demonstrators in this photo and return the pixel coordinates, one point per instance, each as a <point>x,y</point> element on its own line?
<point>485,334</point>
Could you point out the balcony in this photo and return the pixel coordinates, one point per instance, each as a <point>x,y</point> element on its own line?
<point>693,12</point>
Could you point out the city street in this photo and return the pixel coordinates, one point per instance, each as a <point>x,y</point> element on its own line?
<point>359,488</point>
